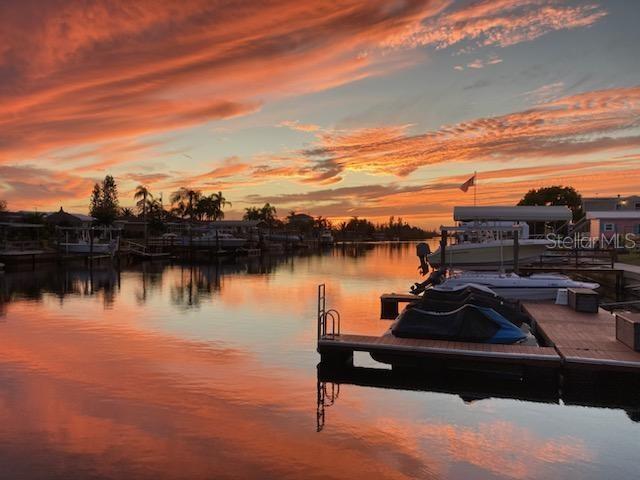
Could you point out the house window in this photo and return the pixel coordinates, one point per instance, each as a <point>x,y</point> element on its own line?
<point>609,227</point>
<point>637,232</point>
<point>637,205</point>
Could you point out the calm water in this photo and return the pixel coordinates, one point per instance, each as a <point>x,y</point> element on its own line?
<point>161,371</point>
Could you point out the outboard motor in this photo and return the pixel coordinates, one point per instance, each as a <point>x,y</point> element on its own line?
<point>434,278</point>
<point>422,250</point>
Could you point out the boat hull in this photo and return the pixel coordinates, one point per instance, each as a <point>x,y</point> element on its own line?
<point>492,254</point>
<point>535,287</point>
<point>98,248</point>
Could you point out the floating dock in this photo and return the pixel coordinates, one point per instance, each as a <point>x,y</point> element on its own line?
<point>574,341</point>
<point>583,340</point>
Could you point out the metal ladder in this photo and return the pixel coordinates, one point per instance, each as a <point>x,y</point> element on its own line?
<point>325,315</point>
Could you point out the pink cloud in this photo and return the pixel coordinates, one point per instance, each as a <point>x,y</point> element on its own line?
<point>495,23</point>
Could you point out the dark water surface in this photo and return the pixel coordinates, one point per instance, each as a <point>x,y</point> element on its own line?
<point>190,372</point>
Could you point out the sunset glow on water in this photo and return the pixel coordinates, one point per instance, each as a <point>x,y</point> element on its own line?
<point>203,371</point>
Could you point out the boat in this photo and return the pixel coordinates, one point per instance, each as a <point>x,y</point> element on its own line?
<point>215,239</point>
<point>326,238</point>
<point>538,286</point>
<point>284,237</point>
<point>469,313</point>
<point>485,235</point>
<point>88,239</point>
<point>84,246</point>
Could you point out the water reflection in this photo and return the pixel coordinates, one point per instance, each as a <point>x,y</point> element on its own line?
<point>208,370</point>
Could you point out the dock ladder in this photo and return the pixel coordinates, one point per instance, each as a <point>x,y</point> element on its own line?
<point>325,315</point>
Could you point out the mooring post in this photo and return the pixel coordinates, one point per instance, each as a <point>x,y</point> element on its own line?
<point>443,247</point>
<point>516,250</point>
<point>91,246</point>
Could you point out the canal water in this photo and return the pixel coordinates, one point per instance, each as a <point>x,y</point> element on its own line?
<point>209,371</point>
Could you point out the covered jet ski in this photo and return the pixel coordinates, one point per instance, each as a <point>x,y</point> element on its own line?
<point>469,323</point>
<point>434,301</point>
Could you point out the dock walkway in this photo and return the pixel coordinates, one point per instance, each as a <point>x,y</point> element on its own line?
<point>583,340</point>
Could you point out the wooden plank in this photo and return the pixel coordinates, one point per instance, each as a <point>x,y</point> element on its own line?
<point>399,297</point>
<point>583,340</point>
<point>440,348</point>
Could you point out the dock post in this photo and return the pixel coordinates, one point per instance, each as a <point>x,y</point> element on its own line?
<point>336,358</point>
<point>443,247</point>
<point>516,250</point>
<point>388,307</point>
<point>90,247</point>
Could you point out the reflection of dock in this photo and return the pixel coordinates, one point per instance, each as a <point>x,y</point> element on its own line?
<point>471,387</point>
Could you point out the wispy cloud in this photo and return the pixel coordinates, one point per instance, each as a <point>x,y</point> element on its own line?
<point>302,127</point>
<point>578,124</point>
<point>545,93</point>
<point>495,23</point>
<point>73,74</point>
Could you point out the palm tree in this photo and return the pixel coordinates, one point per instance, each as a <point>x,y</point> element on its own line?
<point>211,207</point>
<point>127,212</point>
<point>186,200</point>
<point>220,203</point>
<point>143,197</point>
<point>206,208</point>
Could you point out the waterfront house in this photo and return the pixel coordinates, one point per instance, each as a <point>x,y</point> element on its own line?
<point>608,204</point>
<point>607,224</point>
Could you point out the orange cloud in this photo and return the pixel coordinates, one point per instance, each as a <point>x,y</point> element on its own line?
<point>579,124</point>
<point>80,74</point>
<point>28,186</point>
<point>496,22</point>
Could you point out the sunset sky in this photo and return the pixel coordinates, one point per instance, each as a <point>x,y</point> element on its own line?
<point>336,108</point>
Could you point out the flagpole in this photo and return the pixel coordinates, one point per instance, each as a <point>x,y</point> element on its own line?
<point>475,185</point>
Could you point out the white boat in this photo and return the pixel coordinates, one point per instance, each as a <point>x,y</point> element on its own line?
<point>83,246</point>
<point>539,286</point>
<point>326,238</point>
<point>216,239</point>
<point>485,235</point>
<point>284,237</point>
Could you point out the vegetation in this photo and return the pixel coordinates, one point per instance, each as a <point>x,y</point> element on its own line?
<point>192,204</point>
<point>359,228</point>
<point>104,201</point>
<point>143,197</point>
<point>555,195</point>
<point>3,206</point>
<point>267,214</point>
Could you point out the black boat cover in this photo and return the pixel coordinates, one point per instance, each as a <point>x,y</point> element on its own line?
<point>439,301</point>
<point>469,323</point>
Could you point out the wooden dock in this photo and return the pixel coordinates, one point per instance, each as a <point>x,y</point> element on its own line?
<point>410,352</point>
<point>389,303</point>
<point>573,342</point>
<point>583,340</point>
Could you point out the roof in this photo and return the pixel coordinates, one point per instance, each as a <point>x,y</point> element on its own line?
<point>614,214</point>
<point>21,225</point>
<point>62,216</point>
<point>513,214</point>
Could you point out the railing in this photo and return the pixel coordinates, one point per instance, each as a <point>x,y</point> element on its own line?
<point>135,247</point>
<point>21,245</point>
<point>324,315</point>
<point>327,396</point>
<point>581,256</point>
